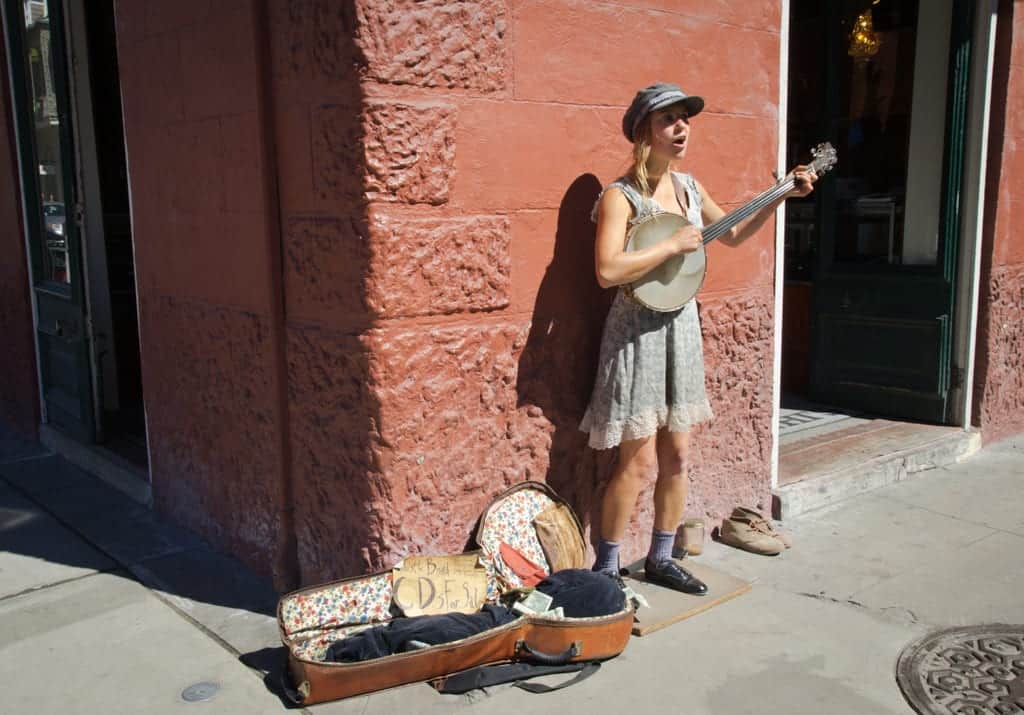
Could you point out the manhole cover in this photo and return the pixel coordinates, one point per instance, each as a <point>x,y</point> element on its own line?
<point>199,692</point>
<point>973,670</point>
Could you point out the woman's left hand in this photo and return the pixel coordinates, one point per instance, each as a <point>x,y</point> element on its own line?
<point>804,177</point>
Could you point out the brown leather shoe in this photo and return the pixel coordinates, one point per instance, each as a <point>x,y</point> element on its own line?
<point>750,534</point>
<point>784,537</point>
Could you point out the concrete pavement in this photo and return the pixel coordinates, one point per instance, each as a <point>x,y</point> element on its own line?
<point>105,608</point>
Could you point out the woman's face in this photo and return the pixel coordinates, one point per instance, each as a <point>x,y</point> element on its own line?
<point>670,131</point>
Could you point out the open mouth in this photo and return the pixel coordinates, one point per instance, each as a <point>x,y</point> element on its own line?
<point>679,143</point>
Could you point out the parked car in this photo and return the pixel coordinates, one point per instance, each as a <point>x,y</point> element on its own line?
<point>55,221</point>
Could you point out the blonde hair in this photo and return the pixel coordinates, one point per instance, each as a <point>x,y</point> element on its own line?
<point>641,153</point>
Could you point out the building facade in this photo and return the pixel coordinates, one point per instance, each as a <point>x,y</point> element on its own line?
<point>324,270</point>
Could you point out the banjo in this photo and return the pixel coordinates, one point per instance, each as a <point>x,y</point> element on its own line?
<point>670,285</point>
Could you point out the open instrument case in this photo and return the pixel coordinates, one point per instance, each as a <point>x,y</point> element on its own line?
<point>311,619</point>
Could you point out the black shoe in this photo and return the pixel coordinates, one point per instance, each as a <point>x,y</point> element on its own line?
<point>668,573</point>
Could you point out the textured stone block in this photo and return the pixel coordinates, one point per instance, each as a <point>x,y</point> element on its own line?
<point>389,152</point>
<point>453,433</point>
<point>402,436</point>
<point>424,266</point>
<point>465,410</point>
<point>409,152</point>
<point>312,39</point>
<point>326,262</point>
<point>338,151</point>
<point>734,450</point>
<point>211,392</point>
<point>436,43</point>
<point>334,422</point>
<point>999,384</point>
<point>317,105</point>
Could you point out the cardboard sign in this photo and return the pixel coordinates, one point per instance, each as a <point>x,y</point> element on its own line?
<point>430,585</point>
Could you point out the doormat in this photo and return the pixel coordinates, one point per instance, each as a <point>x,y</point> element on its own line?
<point>668,606</point>
<point>972,669</point>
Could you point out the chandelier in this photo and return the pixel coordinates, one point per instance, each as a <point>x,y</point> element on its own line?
<point>864,41</point>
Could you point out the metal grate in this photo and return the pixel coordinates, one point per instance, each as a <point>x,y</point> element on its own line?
<point>972,670</point>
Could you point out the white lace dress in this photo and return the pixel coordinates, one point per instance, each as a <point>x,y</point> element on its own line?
<point>650,372</point>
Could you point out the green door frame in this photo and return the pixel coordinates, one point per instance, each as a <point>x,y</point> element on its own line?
<point>61,328</point>
<point>870,301</point>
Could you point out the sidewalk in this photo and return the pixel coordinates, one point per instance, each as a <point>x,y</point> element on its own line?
<point>105,609</point>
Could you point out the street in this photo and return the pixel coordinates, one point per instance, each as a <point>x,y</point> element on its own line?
<point>108,609</point>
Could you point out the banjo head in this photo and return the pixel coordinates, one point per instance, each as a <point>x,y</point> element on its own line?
<point>672,284</point>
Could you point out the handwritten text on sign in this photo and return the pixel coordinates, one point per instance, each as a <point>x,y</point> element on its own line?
<point>429,585</point>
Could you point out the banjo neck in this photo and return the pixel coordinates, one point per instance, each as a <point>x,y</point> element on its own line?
<point>766,198</point>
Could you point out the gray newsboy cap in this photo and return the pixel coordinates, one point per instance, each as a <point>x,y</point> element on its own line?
<point>657,96</point>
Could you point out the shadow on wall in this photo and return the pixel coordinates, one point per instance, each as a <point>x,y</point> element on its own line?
<point>557,366</point>
<point>333,413</point>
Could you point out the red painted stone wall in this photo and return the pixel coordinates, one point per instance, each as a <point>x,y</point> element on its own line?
<point>19,388</point>
<point>436,177</point>
<point>365,260</point>
<point>999,381</point>
<point>208,268</point>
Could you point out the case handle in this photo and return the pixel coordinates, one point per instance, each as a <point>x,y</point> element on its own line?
<point>549,658</point>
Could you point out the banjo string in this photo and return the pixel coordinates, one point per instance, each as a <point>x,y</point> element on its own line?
<point>721,226</point>
<point>824,159</point>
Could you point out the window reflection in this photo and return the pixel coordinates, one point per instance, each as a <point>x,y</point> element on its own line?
<point>46,141</point>
<point>875,97</point>
<point>886,121</point>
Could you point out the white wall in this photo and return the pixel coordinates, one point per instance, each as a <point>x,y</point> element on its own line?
<point>927,133</point>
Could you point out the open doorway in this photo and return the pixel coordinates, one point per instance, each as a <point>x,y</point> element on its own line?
<point>870,258</point>
<point>103,173</point>
<point>66,101</point>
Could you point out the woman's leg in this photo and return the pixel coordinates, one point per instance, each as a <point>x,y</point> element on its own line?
<point>637,465</point>
<point>671,488</point>
<point>669,505</point>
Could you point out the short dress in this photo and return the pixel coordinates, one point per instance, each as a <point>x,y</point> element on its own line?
<point>650,372</point>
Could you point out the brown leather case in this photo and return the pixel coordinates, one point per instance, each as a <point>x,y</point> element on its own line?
<point>530,637</point>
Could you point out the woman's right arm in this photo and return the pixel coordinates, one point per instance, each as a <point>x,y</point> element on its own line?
<point>613,263</point>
